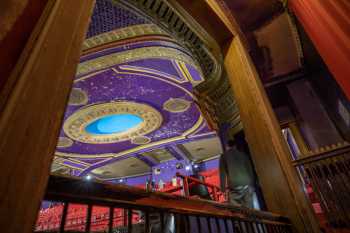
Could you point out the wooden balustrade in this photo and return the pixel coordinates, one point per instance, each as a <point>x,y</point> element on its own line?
<point>328,172</point>
<point>155,208</point>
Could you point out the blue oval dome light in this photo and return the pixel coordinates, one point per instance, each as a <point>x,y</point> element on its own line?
<point>117,123</point>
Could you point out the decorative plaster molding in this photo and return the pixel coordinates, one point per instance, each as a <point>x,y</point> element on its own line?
<point>140,140</point>
<point>78,97</point>
<point>64,142</point>
<point>74,126</point>
<point>176,105</point>
<point>123,34</point>
<point>133,55</point>
<point>109,156</point>
<point>171,17</point>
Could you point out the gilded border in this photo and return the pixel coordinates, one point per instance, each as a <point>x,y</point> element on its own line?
<point>133,55</point>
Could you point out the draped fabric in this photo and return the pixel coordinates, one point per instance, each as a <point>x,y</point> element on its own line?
<point>327,22</point>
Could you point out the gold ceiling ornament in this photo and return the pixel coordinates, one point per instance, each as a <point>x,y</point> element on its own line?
<point>153,72</point>
<point>122,34</point>
<point>78,97</point>
<point>74,126</point>
<point>182,68</point>
<point>109,156</point>
<point>56,164</point>
<point>219,104</point>
<point>176,105</point>
<point>132,71</point>
<point>113,59</point>
<point>140,140</point>
<point>64,142</point>
<point>173,18</point>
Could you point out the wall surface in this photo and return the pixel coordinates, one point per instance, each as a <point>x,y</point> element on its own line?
<point>316,125</point>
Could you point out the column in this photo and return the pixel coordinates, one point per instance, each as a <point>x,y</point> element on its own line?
<point>283,191</point>
<point>31,116</point>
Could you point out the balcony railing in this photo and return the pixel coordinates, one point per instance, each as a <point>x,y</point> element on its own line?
<point>154,212</point>
<point>328,172</point>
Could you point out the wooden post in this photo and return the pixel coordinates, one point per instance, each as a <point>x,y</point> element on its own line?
<point>215,194</point>
<point>31,117</point>
<point>111,219</point>
<point>282,189</point>
<point>186,187</point>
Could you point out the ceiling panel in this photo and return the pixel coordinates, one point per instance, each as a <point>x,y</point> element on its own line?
<point>159,155</point>
<point>202,149</point>
<point>122,168</point>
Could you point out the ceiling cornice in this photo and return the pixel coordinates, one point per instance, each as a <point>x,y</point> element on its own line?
<point>170,16</point>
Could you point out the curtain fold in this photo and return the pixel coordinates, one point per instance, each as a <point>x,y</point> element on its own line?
<point>327,22</point>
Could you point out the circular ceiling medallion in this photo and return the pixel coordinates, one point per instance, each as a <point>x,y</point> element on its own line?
<point>115,123</point>
<point>112,122</point>
<point>140,140</point>
<point>176,105</point>
<point>78,97</point>
<point>64,142</point>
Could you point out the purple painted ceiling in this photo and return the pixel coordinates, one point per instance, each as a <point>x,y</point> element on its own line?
<point>107,16</point>
<point>110,86</point>
<point>147,80</point>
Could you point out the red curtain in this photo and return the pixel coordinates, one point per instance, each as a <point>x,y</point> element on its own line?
<point>327,22</point>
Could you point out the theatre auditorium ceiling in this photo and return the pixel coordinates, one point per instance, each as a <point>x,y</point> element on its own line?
<point>137,97</point>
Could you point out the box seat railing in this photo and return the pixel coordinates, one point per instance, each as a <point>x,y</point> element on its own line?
<point>119,208</point>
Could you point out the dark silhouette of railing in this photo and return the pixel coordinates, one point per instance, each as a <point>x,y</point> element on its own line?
<point>189,181</point>
<point>159,212</point>
<point>328,172</point>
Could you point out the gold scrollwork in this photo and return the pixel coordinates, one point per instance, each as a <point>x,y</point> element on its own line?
<point>133,55</point>
<point>140,140</point>
<point>176,105</point>
<point>74,126</point>
<point>122,34</point>
<point>64,142</point>
<point>78,97</point>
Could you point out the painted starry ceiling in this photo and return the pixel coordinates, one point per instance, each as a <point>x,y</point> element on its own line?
<point>132,101</point>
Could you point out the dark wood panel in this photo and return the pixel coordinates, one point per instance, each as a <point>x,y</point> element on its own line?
<point>31,119</point>
<point>250,14</point>
<point>201,12</point>
<point>14,41</point>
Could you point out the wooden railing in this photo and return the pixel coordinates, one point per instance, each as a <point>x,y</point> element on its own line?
<point>328,172</point>
<point>191,181</point>
<point>155,209</point>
